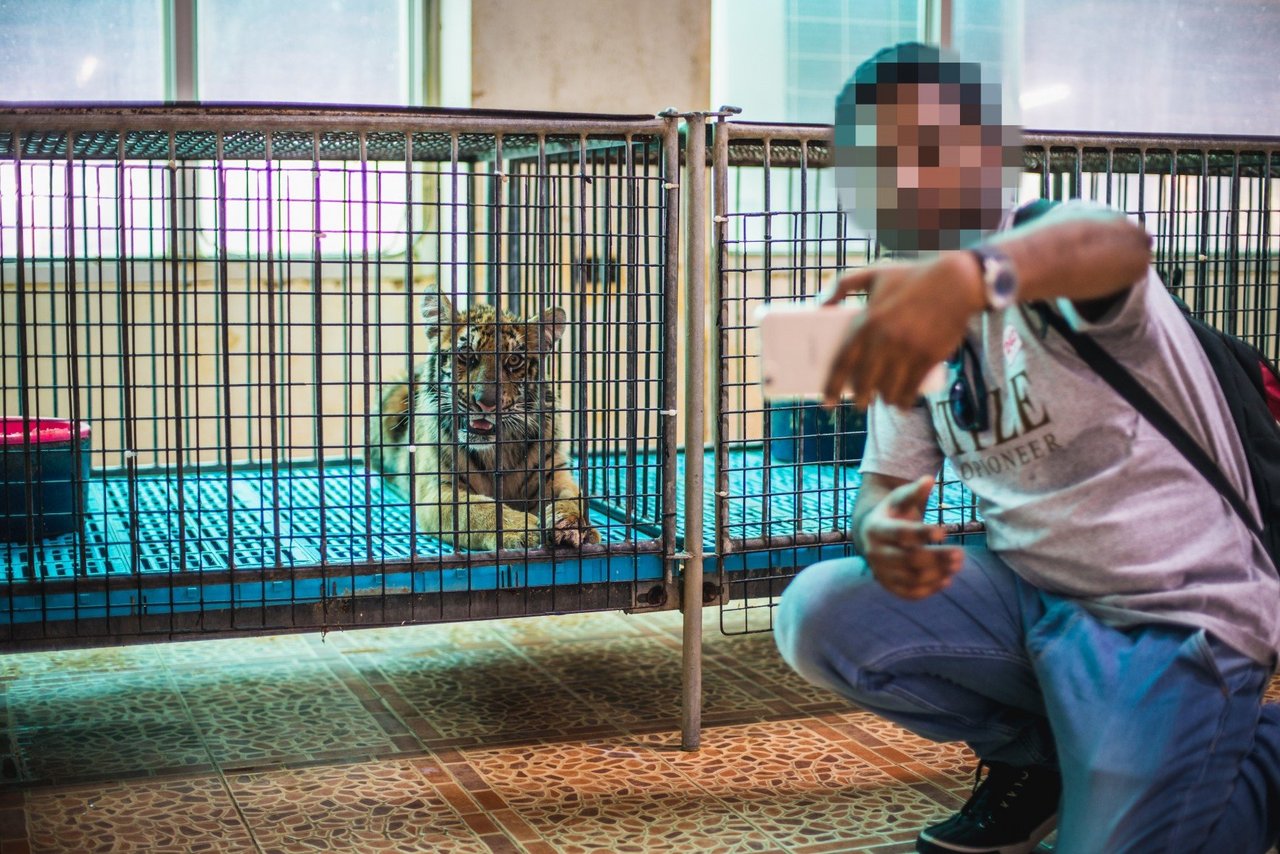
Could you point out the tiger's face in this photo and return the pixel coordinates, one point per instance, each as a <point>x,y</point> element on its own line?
<point>486,370</point>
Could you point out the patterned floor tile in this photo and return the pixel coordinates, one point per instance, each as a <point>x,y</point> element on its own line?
<point>71,662</point>
<point>278,711</point>
<point>154,816</point>
<point>481,634</point>
<point>643,701</point>
<point>119,722</point>
<point>571,627</point>
<point>949,764</point>
<point>803,789</point>
<point>605,659</point>
<point>670,622</point>
<point>369,807</point>
<point>49,700</point>
<point>610,795</point>
<point>755,658</point>
<point>637,681</point>
<point>673,822</point>
<point>101,749</point>
<point>549,735</point>
<point>203,652</point>
<point>485,693</point>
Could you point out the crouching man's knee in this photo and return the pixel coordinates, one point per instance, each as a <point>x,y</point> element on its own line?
<point>819,610</point>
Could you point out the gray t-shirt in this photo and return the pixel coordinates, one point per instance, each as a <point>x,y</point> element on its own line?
<point>1081,495</point>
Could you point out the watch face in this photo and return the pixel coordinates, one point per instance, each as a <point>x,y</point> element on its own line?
<point>1004,284</point>
<point>999,278</point>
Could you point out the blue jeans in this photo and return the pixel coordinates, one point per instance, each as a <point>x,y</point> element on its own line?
<point>1158,731</point>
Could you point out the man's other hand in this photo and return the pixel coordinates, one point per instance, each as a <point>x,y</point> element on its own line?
<point>901,550</point>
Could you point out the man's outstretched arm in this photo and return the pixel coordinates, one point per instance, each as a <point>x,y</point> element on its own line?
<point>917,313</point>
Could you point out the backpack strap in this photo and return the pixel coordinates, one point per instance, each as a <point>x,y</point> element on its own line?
<point>1140,399</point>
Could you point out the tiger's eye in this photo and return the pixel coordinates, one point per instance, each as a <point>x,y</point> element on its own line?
<point>514,362</point>
<point>468,359</point>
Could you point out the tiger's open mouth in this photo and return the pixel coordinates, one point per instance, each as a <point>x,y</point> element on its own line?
<point>479,425</point>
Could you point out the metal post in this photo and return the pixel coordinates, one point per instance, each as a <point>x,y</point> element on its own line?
<point>695,431</point>
<point>694,422</point>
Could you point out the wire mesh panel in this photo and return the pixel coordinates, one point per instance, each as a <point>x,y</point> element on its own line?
<point>786,473</point>
<point>1210,204</point>
<point>283,368</point>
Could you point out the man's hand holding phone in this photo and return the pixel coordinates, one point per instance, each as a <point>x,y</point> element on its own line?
<point>916,316</point>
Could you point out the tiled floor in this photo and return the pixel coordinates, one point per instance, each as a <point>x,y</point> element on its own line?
<point>550,734</point>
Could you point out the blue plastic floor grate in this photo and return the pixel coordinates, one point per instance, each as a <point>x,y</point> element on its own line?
<point>251,518</point>
<point>243,519</point>
<point>769,498</point>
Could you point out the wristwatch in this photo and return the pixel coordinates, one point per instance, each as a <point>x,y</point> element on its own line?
<point>999,278</point>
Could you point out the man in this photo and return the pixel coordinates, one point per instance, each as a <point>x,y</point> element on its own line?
<point>1106,652</point>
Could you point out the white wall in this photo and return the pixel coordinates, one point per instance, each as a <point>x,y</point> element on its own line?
<point>614,56</point>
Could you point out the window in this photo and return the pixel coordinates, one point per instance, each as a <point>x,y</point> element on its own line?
<point>82,50</point>
<point>333,51</point>
<point>316,51</point>
<point>1194,68</point>
<point>300,51</point>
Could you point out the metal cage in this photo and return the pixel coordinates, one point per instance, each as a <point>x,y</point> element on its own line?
<point>786,475</point>
<point>202,311</point>
<point>222,296</point>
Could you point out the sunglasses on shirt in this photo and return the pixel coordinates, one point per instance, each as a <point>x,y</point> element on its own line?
<point>968,395</point>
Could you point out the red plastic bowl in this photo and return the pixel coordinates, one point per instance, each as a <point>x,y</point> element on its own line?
<point>39,476</point>
<point>41,431</point>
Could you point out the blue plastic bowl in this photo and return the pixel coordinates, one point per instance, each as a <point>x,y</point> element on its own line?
<point>802,432</point>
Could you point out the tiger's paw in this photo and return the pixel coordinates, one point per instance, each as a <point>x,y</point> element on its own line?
<point>572,529</point>
<point>519,540</point>
<point>520,531</point>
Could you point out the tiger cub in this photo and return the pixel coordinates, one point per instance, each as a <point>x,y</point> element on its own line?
<point>484,433</point>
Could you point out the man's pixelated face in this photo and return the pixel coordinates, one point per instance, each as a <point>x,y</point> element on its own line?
<point>925,168</point>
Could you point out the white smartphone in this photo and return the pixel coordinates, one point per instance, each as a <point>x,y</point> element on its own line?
<point>798,343</point>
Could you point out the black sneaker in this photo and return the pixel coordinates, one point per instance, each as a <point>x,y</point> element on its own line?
<point>1009,812</point>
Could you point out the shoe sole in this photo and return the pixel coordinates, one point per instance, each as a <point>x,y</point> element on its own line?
<point>926,844</point>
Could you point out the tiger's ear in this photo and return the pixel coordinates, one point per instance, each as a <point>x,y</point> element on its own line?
<point>438,312</point>
<point>550,325</point>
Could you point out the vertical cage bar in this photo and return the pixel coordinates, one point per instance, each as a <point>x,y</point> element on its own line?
<point>669,330</point>
<point>176,384</point>
<point>317,371</point>
<point>719,420</point>
<point>78,486</point>
<point>127,428</point>
<point>24,386</point>
<point>1231,273</point>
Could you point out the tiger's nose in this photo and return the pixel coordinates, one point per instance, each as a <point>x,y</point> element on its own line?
<point>487,399</point>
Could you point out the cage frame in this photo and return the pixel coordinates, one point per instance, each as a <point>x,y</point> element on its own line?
<point>745,568</point>
<point>693,285</point>
<point>359,593</point>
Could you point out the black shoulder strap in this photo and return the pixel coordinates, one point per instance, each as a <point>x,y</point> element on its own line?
<point>1151,409</point>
